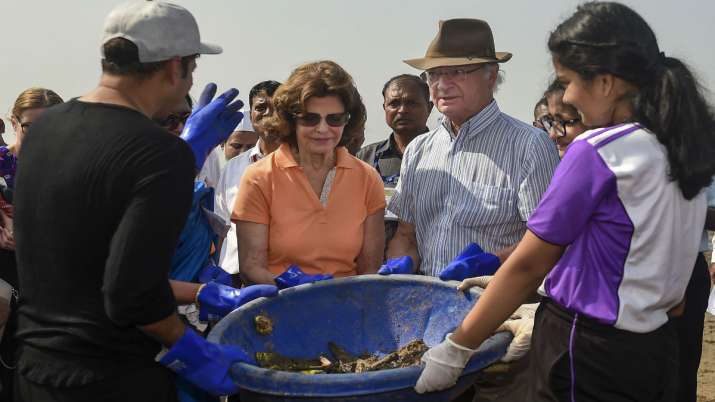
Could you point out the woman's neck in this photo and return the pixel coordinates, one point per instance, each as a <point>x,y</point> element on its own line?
<point>315,161</point>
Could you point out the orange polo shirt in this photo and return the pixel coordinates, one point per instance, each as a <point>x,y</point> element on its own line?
<point>321,240</point>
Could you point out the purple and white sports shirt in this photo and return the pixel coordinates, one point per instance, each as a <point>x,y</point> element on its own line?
<point>632,237</point>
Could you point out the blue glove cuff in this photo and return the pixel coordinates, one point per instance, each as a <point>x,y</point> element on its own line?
<point>400,265</point>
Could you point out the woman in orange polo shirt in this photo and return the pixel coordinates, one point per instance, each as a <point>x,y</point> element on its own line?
<point>311,203</point>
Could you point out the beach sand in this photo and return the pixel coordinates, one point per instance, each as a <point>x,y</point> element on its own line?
<point>706,375</point>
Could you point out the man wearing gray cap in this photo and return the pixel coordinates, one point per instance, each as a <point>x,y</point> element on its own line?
<point>106,193</point>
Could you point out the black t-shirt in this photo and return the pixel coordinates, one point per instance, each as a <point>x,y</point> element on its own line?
<point>102,195</point>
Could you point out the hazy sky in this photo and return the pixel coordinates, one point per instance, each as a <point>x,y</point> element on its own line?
<point>55,44</point>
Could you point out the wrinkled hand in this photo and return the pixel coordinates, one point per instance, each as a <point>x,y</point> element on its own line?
<point>399,265</point>
<point>294,276</point>
<point>478,281</point>
<point>214,273</point>
<point>217,300</point>
<point>471,262</point>
<point>521,325</point>
<point>205,364</point>
<point>211,122</point>
<point>443,366</point>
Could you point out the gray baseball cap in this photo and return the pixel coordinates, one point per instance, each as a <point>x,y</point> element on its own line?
<point>160,30</point>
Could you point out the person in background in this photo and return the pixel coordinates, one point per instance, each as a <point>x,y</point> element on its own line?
<point>261,105</point>
<point>2,131</point>
<point>174,118</point>
<point>407,106</point>
<point>354,145</point>
<point>319,208</point>
<point>562,121</point>
<point>243,138</point>
<point>690,325</point>
<point>26,110</point>
<point>611,277</point>
<point>100,203</point>
<point>541,109</point>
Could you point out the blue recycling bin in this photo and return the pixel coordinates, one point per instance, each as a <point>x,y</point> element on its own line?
<point>364,314</point>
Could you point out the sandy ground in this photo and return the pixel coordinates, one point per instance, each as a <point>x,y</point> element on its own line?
<point>706,375</point>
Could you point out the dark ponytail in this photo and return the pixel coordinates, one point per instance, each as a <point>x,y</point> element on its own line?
<point>610,38</point>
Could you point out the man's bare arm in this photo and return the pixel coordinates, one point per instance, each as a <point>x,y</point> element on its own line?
<point>253,253</point>
<point>405,243</point>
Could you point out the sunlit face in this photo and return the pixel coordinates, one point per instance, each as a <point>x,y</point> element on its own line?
<point>321,138</point>
<point>588,97</point>
<point>406,109</point>
<point>567,121</point>
<point>239,142</point>
<point>460,99</point>
<point>261,106</point>
<point>21,124</point>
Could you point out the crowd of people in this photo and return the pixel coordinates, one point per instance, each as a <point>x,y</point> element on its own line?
<point>137,216</point>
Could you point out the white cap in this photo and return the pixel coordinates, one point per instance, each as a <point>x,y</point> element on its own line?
<point>245,124</point>
<point>160,30</point>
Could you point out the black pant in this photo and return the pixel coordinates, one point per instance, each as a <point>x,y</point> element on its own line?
<point>689,327</point>
<point>577,358</point>
<point>8,273</point>
<point>154,384</point>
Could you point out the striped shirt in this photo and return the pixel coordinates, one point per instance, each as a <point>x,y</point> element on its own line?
<point>478,186</point>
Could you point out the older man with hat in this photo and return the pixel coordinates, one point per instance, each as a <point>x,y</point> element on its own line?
<point>95,238</point>
<point>466,188</point>
<point>476,178</point>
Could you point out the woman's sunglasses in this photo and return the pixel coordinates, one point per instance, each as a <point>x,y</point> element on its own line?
<point>313,119</point>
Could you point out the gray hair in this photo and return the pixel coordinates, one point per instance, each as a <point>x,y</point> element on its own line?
<point>494,67</point>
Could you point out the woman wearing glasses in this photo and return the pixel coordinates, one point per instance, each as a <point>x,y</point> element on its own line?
<point>563,122</point>
<point>28,107</point>
<point>310,206</point>
<point>615,237</point>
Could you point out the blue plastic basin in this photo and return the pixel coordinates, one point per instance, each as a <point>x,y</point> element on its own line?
<point>365,314</point>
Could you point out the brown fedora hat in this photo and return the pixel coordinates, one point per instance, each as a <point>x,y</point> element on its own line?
<point>460,41</point>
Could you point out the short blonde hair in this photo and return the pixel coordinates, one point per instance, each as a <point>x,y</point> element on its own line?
<point>34,98</point>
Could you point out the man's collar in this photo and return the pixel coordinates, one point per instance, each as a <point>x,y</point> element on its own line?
<point>390,144</point>
<point>284,158</point>
<point>477,122</point>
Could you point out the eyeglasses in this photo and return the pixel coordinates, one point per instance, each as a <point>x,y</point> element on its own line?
<point>313,119</point>
<point>453,74</point>
<point>559,125</point>
<point>173,121</point>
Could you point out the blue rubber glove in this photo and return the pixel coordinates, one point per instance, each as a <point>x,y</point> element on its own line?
<point>217,300</point>
<point>204,364</point>
<point>211,122</point>
<point>471,262</point>
<point>399,265</point>
<point>214,273</point>
<point>294,276</point>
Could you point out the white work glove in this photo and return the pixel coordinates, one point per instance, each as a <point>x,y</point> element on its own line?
<point>480,281</point>
<point>521,325</point>
<point>443,366</point>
